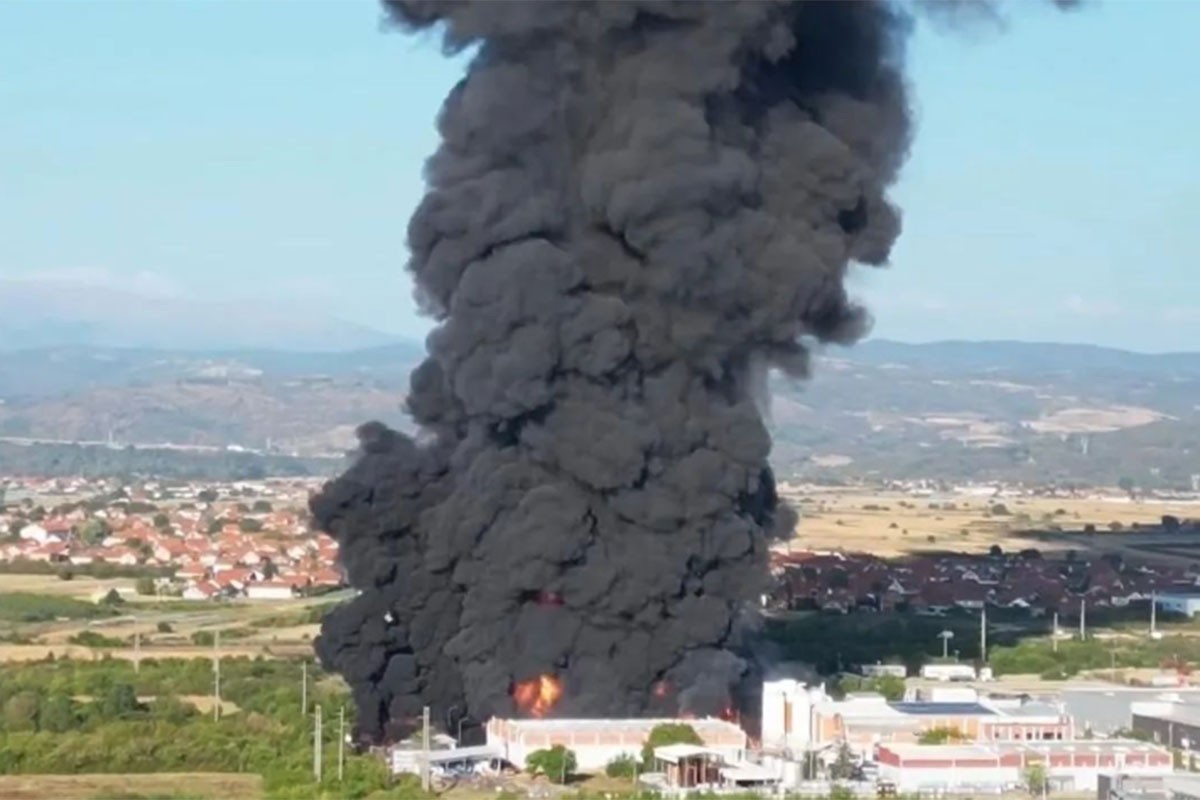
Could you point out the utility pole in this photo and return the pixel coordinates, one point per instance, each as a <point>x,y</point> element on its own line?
<point>137,652</point>
<point>304,687</point>
<point>216,675</point>
<point>1082,620</point>
<point>426,784</point>
<point>317,744</point>
<point>341,743</point>
<point>1054,634</point>
<point>983,635</point>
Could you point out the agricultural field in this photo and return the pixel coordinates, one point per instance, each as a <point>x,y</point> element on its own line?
<point>894,523</point>
<point>37,622</point>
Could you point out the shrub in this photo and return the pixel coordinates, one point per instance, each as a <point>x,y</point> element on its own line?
<point>665,734</point>
<point>556,763</point>
<point>93,639</point>
<point>621,767</point>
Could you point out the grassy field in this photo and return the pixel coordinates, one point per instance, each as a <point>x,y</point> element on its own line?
<point>894,524</point>
<point>91,787</point>
<point>38,620</point>
<point>81,586</point>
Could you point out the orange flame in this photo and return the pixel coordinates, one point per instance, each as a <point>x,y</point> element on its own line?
<point>537,695</point>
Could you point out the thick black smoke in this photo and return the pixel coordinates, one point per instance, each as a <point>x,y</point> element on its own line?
<point>636,209</point>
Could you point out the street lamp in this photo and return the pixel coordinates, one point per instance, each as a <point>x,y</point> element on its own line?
<point>946,636</point>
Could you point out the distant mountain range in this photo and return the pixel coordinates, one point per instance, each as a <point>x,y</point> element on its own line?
<point>954,410</point>
<point>54,314</point>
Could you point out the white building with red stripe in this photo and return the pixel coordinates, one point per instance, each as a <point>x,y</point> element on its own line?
<point>997,766</point>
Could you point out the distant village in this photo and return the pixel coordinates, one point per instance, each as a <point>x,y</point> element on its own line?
<point>938,583</point>
<point>198,541</point>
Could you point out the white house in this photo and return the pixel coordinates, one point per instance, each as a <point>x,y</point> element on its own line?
<point>35,532</point>
<point>1186,603</point>
<point>271,590</point>
<point>204,590</point>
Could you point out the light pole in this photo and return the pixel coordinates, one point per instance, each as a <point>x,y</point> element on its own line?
<point>946,636</point>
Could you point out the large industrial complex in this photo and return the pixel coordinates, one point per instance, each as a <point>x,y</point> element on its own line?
<point>937,740</point>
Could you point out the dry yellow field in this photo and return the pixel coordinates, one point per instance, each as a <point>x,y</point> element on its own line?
<point>81,587</point>
<point>227,786</point>
<point>39,652</point>
<point>893,523</point>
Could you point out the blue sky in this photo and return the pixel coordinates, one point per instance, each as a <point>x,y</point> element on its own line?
<point>232,149</point>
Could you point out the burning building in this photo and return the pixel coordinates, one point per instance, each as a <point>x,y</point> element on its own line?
<point>636,211</point>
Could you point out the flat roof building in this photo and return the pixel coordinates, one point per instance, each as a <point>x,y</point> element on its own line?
<point>596,742</point>
<point>1000,766</point>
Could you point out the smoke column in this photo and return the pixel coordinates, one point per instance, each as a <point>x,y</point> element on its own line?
<point>636,210</point>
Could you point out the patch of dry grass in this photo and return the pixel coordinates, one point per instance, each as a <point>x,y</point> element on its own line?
<point>84,787</point>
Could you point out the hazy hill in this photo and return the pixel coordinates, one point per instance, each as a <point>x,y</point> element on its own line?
<point>956,410</point>
<point>55,314</point>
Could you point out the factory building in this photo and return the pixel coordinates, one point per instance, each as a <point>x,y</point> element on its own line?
<point>1106,709</point>
<point>799,718</point>
<point>1172,721</point>
<point>596,742</point>
<point>1001,766</point>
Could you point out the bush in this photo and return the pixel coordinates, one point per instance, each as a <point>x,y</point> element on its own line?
<point>93,639</point>
<point>941,736</point>
<point>556,763</point>
<point>145,585</point>
<point>621,767</point>
<point>164,627</point>
<point>665,734</point>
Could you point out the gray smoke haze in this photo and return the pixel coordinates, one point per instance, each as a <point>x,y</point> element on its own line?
<point>636,209</point>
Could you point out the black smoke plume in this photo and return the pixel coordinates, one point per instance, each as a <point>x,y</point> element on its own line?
<point>636,210</point>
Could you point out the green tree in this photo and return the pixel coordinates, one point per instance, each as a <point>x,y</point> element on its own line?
<point>113,598</point>
<point>556,763</point>
<point>262,507</point>
<point>943,735</point>
<point>144,585</point>
<point>249,525</point>
<point>118,700</point>
<point>1036,780</point>
<point>207,495</point>
<point>890,686</point>
<point>665,734</point>
<point>20,712</point>
<point>57,714</point>
<point>94,531</point>
<point>215,526</point>
<point>843,766</point>
<point>1128,485</point>
<point>162,521</point>
<point>172,709</point>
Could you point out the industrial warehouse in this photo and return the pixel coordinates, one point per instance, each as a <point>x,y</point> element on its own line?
<point>997,740</point>
<point>1001,766</point>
